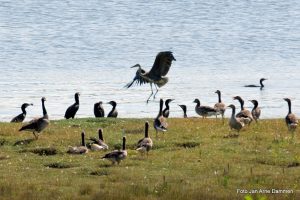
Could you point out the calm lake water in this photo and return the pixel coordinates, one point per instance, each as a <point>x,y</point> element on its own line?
<point>56,48</point>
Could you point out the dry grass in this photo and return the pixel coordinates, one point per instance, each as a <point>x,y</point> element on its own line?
<point>193,160</point>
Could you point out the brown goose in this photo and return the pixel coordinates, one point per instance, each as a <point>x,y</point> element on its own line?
<point>160,123</point>
<point>117,155</point>
<point>183,107</point>
<point>291,119</point>
<point>234,122</point>
<point>204,111</point>
<point>21,117</point>
<point>255,110</point>
<point>98,109</point>
<point>98,144</point>
<point>166,111</point>
<point>79,149</point>
<point>72,109</point>
<point>38,124</point>
<point>244,113</point>
<point>220,106</point>
<point>113,112</point>
<point>145,144</point>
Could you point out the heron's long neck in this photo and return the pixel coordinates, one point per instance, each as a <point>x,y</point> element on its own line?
<point>219,95</point>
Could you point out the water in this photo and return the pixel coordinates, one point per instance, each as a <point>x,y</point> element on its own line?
<point>57,48</point>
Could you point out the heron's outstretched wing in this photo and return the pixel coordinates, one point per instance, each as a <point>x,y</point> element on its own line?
<point>162,64</point>
<point>138,79</point>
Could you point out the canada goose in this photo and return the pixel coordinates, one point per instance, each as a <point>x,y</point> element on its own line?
<point>183,107</point>
<point>21,117</point>
<point>113,112</point>
<point>166,111</point>
<point>79,149</point>
<point>255,110</point>
<point>98,109</point>
<point>72,110</point>
<point>260,82</point>
<point>145,144</point>
<point>244,113</point>
<point>98,144</point>
<point>117,155</point>
<point>220,106</point>
<point>160,123</point>
<point>291,119</point>
<point>38,124</point>
<point>235,123</point>
<point>204,111</point>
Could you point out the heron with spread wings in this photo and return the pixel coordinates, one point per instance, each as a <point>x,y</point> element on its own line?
<point>156,75</point>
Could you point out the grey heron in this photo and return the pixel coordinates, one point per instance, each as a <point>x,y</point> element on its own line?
<point>157,74</point>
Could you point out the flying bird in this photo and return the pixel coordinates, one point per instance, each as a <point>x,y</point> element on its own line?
<point>157,74</point>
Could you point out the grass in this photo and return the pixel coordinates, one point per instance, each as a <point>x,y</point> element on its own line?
<point>195,159</point>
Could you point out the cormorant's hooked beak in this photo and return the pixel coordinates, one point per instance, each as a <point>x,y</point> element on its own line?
<point>137,65</point>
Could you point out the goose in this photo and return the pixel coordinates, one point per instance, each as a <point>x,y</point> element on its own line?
<point>166,111</point>
<point>291,119</point>
<point>117,155</point>
<point>79,149</point>
<point>244,113</point>
<point>72,110</point>
<point>255,110</point>
<point>98,144</point>
<point>183,107</point>
<point>37,124</point>
<point>204,111</point>
<point>160,123</point>
<point>260,82</point>
<point>234,122</point>
<point>220,106</point>
<point>98,109</point>
<point>21,117</point>
<point>145,144</point>
<point>113,112</point>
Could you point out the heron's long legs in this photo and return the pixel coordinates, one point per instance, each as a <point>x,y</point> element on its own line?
<point>151,92</point>
<point>156,91</point>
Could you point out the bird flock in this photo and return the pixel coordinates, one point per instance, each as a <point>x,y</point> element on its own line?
<point>156,77</point>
